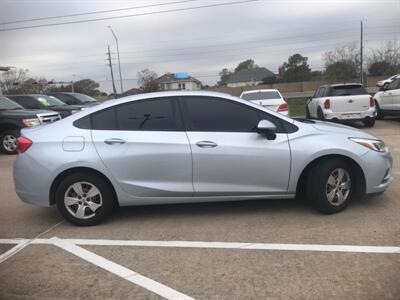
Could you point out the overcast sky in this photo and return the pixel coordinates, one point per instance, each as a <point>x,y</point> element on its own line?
<point>200,41</point>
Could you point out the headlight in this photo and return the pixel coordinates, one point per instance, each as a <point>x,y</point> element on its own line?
<point>376,145</point>
<point>31,122</point>
<point>75,111</point>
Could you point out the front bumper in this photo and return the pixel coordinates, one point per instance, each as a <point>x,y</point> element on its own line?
<point>377,170</point>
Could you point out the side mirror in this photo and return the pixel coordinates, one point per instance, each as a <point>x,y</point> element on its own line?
<point>268,128</point>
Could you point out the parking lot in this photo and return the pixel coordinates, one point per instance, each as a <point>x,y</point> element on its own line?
<point>272,249</point>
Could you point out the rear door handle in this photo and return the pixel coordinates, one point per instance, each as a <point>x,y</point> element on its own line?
<point>206,144</point>
<point>114,141</point>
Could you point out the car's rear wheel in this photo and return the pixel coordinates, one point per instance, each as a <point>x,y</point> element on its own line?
<point>85,199</point>
<point>369,122</point>
<point>8,140</point>
<point>379,114</point>
<point>330,186</point>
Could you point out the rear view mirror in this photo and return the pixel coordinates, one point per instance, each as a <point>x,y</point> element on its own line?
<point>268,128</point>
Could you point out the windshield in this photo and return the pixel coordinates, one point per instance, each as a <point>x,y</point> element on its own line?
<point>6,104</point>
<point>349,90</point>
<point>49,101</point>
<point>83,98</point>
<point>261,95</point>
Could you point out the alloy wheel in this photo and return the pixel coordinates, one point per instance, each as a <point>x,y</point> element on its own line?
<point>10,143</point>
<point>338,187</point>
<point>82,200</point>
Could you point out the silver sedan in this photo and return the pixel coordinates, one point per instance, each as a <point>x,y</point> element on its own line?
<point>181,147</point>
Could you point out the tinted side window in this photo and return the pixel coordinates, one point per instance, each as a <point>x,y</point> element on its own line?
<point>220,115</point>
<point>146,115</point>
<point>27,102</point>
<point>394,84</point>
<point>66,98</point>
<point>149,115</point>
<point>316,94</point>
<point>321,92</point>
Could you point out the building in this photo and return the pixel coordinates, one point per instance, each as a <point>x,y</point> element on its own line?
<point>248,77</point>
<point>178,81</point>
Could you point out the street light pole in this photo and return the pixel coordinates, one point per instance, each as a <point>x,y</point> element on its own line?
<point>119,61</point>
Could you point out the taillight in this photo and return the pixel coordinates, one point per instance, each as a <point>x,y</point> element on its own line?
<point>283,107</point>
<point>371,101</point>
<point>327,104</point>
<point>23,144</point>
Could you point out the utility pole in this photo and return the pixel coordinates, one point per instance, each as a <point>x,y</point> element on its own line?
<point>361,55</point>
<point>111,69</point>
<point>119,61</point>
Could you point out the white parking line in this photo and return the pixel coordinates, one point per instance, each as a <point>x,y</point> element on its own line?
<point>220,245</point>
<point>120,271</point>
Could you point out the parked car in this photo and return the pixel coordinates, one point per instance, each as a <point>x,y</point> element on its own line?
<point>13,117</point>
<point>75,98</point>
<point>167,147</point>
<point>342,102</point>
<point>385,83</point>
<point>45,102</point>
<point>271,99</point>
<point>388,101</point>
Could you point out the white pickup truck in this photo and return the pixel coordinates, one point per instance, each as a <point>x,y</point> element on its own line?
<point>342,102</point>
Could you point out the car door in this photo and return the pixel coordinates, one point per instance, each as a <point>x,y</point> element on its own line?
<point>229,156</point>
<point>395,97</point>
<point>388,97</point>
<point>143,144</point>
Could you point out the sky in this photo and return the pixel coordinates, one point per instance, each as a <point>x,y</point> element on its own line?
<point>182,36</point>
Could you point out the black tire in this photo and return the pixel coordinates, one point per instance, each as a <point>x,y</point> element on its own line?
<point>320,114</point>
<point>316,185</point>
<point>308,116</point>
<point>369,122</point>
<point>5,147</point>
<point>106,193</point>
<point>379,113</point>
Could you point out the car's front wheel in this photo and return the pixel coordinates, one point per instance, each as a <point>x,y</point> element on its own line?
<point>369,122</point>
<point>85,199</point>
<point>8,138</point>
<point>330,186</point>
<point>379,114</point>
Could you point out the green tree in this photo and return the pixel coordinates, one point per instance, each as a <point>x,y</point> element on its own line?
<point>246,65</point>
<point>342,63</point>
<point>296,69</point>
<point>224,77</point>
<point>88,87</point>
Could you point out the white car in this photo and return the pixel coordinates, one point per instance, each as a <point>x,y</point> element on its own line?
<point>385,83</point>
<point>342,102</point>
<point>388,101</point>
<point>271,99</point>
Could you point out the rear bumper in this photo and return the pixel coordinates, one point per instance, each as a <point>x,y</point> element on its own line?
<point>350,116</point>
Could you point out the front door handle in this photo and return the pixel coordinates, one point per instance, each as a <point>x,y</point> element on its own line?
<point>206,144</point>
<point>114,141</point>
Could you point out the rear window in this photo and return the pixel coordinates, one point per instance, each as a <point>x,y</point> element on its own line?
<point>348,90</point>
<point>261,95</point>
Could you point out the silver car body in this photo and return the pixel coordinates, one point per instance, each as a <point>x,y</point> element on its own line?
<point>171,167</point>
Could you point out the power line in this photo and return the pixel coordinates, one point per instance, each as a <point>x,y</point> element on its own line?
<point>94,12</point>
<point>128,16</point>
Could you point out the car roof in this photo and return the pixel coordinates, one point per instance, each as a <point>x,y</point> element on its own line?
<point>340,84</point>
<point>259,91</point>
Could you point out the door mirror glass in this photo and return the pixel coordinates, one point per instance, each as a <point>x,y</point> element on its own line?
<point>268,128</point>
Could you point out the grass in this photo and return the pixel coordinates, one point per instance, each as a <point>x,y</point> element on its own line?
<point>297,107</point>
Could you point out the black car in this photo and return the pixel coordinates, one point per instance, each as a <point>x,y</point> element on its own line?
<point>13,117</point>
<point>75,98</point>
<point>45,102</point>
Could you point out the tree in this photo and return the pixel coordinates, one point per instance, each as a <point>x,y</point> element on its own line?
<point>147,81</point>
<point>246,65</point>
<point>384,60</point>
<point>342,63</point>
<point>16,81</point>
<point>88,87</point>
<point>224,77</point>
<point>296,69</point>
